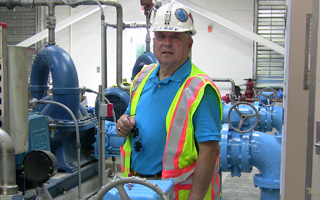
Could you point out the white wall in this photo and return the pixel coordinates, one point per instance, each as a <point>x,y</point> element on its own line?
<point>222,54</point>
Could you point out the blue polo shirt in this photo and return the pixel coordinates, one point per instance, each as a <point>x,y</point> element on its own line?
<point>151,112</point>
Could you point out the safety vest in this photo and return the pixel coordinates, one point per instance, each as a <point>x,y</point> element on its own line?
<point>180,155</point>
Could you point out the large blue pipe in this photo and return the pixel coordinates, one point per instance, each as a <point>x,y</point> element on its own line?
<point>266,156</point>
<point>65,81</point>
<point>239,152</point>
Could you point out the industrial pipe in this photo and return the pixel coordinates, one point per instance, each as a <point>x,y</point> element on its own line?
<point>7,165</point>
<point>65,81</point>
<point>266,157</point>
<point>233,88</point>
<point>239,152</point>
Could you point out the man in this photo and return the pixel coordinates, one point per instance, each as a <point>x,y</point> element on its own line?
<point>173,121</point>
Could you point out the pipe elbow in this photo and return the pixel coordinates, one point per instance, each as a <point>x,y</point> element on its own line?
<point>266,155</point>
<point>6,144</point>
<point>60,64</point>
<point>64,76</point>
<point>7,165</point>
<point>122,86</point>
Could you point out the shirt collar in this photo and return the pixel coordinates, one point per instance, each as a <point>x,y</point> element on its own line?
<point>178,76</point>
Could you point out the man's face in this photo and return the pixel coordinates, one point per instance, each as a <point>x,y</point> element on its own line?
<point>171,48</point>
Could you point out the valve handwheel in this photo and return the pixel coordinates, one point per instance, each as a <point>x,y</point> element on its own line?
<point>270,97</point>
<point>120,183</point>
<point>243,117</point>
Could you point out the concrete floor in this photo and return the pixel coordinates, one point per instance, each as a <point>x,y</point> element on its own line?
<point>240,188</point>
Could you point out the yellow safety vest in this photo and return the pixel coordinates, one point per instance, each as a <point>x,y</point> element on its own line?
<point>180,153</point>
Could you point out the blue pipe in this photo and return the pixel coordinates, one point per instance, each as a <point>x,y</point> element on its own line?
<point>239,152</point>
<point>269,117</point>
<point>65,81</point>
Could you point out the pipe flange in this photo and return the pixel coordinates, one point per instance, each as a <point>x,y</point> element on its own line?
<point>263,182</point>
<point>224,147</point>
<point>9,190</point>
<point>245,153</point>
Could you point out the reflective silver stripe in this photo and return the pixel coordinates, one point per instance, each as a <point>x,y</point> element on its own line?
<point>122,160</point>
<point>187,181</point>
<point>183,177</point>
<point>178,123</point>
<point>139,79</point>
<point>215,185</point>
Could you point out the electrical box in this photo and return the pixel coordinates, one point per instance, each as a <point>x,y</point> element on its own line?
<point>38,136</point>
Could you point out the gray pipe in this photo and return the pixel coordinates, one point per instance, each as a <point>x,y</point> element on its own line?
<point>119,49</point>
<point>233,89</point>
<point>7,165</point>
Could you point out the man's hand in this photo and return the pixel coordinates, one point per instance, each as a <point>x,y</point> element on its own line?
<point>124,125</point>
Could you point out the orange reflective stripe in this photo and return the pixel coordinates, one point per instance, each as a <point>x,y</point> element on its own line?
<point>178,172</point>
<point>122,158</point>
<point>213,194</point>
<point>182,186</point>
<point>218,176</point>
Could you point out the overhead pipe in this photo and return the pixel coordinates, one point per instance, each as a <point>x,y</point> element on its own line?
<point>233,88</point>
<point>7,165</point>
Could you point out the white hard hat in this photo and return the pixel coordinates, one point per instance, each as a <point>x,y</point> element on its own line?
<point>173,17</point>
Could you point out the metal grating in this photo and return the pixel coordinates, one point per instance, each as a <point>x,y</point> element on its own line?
<point>270,24</point>
<point>21,25</point>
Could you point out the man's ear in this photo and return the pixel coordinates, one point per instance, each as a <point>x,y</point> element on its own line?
<point>190,43</point>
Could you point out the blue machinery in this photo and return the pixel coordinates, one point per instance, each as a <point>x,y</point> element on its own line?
<point>66,91</point>
<point>250,137</point>
<point>240,149</point>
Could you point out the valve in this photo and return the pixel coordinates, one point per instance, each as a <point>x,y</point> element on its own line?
<point>243,117</point>
<point>270,94</point>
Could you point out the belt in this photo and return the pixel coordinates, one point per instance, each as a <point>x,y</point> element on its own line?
<point>150,176</point>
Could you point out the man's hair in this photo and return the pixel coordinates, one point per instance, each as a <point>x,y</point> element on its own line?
<point>189,34</point>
